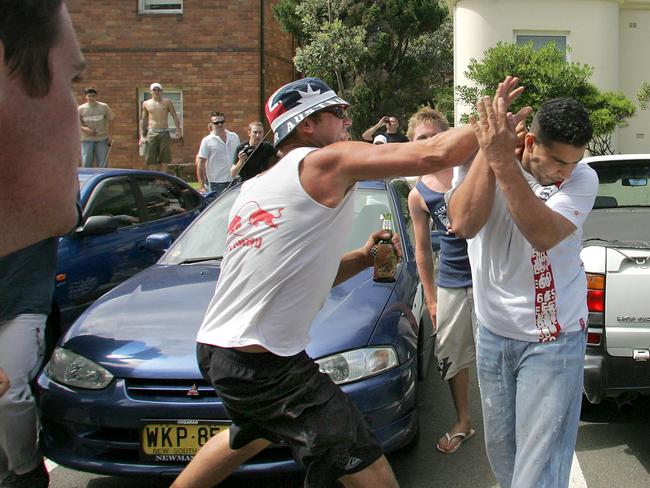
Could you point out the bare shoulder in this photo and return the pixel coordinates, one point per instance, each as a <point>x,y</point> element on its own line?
<point>416,202</point>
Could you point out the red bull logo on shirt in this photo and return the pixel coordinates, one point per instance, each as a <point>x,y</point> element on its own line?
<point>248,217</point>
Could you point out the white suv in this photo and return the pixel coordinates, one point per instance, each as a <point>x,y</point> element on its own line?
<point>616,255</point>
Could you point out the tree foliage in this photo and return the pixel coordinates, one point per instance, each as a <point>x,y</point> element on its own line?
<point>386,57</point>
<point>547,74</point>
<point>643,95</point>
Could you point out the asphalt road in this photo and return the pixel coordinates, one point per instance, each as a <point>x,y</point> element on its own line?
<point>613,450</point>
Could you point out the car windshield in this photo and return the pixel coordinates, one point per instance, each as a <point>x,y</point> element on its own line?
<point>622,184</point>
<point>206,238</point>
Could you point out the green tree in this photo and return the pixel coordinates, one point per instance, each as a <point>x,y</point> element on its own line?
<point>547,74</point>
<point>383,56</point>
<point>643,95</point>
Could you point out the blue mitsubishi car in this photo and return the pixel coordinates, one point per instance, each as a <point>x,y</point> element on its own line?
<point>120,208</point>
<point>123,395</point>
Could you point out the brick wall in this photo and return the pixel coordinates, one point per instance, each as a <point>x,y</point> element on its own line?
<point>212,52</point>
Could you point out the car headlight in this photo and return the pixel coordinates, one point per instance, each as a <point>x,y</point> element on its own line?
<point>349,366</point>
<point>72,369</point>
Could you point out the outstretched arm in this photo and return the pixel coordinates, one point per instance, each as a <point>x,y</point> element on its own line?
<point>327,174</point>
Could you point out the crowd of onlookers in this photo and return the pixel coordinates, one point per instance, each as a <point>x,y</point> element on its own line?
<point>221,155</point>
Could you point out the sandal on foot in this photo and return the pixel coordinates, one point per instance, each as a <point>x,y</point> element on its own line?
<point>461,435</point>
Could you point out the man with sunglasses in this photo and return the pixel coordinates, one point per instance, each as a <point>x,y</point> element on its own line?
<point>281,262</point>
<point>216,153</point>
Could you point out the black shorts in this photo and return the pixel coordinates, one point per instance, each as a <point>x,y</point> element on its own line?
<point>288,399</point>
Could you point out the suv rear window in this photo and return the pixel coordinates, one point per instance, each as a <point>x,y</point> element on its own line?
<point>623,184</point>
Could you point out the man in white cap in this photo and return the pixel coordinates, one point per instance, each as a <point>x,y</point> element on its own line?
<point>380,139</point>
<point>274,279</point>
<point>154,129</point>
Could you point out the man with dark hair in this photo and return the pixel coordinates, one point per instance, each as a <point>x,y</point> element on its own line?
<point>391,132</point>
<point>251,345</point>
<point>216,154</point>
<point>96,119</point>
<point>524,221</point>
<point>254,156</point>
<point>39,60</point>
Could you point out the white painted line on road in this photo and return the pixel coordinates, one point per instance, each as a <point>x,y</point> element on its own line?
<point>576,479</point>
<point>50,465</point>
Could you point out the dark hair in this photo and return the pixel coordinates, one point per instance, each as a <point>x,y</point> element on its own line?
<point>217,114</point>
<point>90,89</point>
<point>562,120</point>
<point>28,30</point>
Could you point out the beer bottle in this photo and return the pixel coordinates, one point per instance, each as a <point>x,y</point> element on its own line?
<point>385,256</point>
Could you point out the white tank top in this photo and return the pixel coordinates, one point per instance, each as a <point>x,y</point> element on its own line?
<point>283,253</point>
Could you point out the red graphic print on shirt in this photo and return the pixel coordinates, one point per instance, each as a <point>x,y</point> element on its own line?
<point>248,217</point>
<point>545,305</point>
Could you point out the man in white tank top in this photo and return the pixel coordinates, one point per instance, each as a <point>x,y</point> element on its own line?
<point>283,255</point>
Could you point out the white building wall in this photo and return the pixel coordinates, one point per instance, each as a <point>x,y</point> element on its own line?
<point>634,66</point>
<point>591,27</point>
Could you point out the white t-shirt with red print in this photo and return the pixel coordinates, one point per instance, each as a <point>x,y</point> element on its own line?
<point>525,294</point>
<point>283,254</point>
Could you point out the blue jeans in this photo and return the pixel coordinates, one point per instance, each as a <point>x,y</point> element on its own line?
<point>218,188</point>
<point>531,394</point>
<point>22,347</point>
<point>97,150</point>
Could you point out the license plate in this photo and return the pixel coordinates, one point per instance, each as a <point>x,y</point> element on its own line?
<point>175,440</point>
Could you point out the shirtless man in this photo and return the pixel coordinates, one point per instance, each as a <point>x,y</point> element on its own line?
<point>154,123</point>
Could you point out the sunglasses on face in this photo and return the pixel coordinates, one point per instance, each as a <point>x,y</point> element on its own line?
<point>336,111</point>
<point>218,122</point>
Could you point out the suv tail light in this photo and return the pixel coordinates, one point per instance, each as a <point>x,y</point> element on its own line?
<point>596,306</point>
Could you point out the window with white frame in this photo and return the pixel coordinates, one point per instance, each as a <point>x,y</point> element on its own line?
<point>174,94</point>
<point>542,39</point>
<point>160,6</point>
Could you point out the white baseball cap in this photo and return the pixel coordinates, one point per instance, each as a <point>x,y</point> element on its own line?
<point>155,85</point>
<point>380,139</point>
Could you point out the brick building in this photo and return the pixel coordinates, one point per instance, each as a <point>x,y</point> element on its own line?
<point>208,55</point>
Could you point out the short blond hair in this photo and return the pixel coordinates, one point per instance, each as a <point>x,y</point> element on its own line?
<point>426,114</point>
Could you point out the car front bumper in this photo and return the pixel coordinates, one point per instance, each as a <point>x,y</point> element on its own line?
<point>98,431</point>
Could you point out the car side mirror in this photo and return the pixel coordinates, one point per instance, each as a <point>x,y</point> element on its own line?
<point>98,225</point>
<point>158,243</point>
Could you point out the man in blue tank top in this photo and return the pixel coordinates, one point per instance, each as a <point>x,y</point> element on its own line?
<point>450,305</point>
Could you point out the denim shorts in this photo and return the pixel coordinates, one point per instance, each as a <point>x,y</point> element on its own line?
<point>287,399</point>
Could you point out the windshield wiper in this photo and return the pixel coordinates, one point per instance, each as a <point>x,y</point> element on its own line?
<point>201,260</point>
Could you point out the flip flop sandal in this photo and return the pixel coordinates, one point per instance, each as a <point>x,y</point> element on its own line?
<point>461,435</point>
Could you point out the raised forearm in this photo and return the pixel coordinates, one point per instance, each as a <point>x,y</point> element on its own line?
<point>367,135</point>
<point>471,202</point>
<point>540,225</point>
